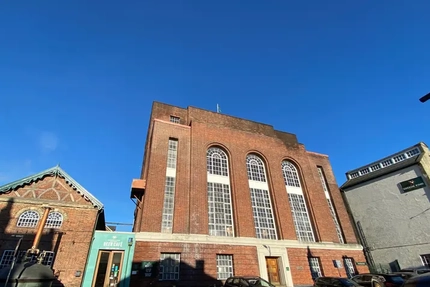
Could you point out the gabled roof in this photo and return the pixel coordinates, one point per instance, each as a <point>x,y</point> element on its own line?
<point>54,171</point>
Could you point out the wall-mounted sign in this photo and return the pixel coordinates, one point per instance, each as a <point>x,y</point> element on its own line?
<point>360,263</point>
<point>412,184</point>
<point>113,243</point>
<point>337,263</point>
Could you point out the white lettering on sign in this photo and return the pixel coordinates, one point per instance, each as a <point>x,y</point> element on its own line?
<point>116,244</point>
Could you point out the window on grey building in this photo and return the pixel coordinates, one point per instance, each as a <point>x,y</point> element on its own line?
<point>425,258</point>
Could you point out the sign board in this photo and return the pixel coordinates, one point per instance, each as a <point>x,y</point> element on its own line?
<point>337,263</point>
<point>412,184</point>
<point>113,243</point>
<point>360,263</point>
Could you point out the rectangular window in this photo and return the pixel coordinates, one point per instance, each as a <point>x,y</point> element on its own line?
<point>224,264</point>
<point>175,120</point>
<point>263,216</point>
<point>169,187</point>
<point>220,213</point>
<point>426,260</point>
<point>300,217</point>
<point>7,258</point>
<point>169,266</point>
<point>172,153</point>
<point>349,266</point>
<point>330,205</point>
<point>314,264</point>
<point>168,207</point>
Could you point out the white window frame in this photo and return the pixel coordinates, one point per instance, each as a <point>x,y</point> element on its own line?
<point>55,220</point>
<point>224,265</point>
<point>169,187</point>
<point>175,119</point>
<point>425,260</point>
<point>330,205</point>
<point>315,266</point>
<point>28,219</point>
<point>264,220</point>
<point>220,211</point>
<point>299,208</point>
<point>171,271</point>
<point>7,257</point>
<point>349,266</point>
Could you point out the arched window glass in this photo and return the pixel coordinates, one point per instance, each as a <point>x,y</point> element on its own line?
<point>55,220</point>
<point>255,167</point>
<point>299,210</point>
<point>219,195</point>
<point>28,218</point>
<point>217,161</point>
<point>264,221</point>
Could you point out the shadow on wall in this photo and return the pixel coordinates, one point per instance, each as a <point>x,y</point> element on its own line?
<point>50,240</point>
<point>148,274</point>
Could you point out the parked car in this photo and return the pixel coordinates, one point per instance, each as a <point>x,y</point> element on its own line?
<point>335,282</point>
<point>245,281</point>
<point>369,280</point>
<point>376,280</point>
<point>416,270</point>
<point>422,280</point>
<point>405,274</point>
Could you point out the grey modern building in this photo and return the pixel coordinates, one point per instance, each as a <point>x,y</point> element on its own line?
<point>389,201</point>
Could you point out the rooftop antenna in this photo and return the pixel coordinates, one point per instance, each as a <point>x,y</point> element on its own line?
<point>218,110</point>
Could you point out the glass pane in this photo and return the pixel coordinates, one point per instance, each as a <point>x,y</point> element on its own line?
<point>102,269</point>
<point>115,267</point>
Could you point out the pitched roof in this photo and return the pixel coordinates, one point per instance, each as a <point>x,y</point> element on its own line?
<point>54,171</point>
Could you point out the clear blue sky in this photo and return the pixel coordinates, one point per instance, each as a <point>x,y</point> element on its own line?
<point>77,79</point>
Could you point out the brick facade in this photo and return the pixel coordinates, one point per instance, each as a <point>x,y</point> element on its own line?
<point>196,132</point>
<point>70,243</point>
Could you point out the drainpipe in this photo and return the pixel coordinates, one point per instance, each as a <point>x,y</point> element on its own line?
<point>34,248</point>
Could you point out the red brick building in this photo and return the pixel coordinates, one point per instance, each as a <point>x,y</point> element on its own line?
<point>74,215</point>
<point>220,195</point>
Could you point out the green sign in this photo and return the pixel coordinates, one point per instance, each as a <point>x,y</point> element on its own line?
<point>412,184</point>
<point>360,263</point>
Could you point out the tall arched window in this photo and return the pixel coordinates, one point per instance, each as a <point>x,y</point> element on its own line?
<point>28,218</point>
<point>219,195</point>
<point>55,220</point>
<point>264,221</point>
<point>297,201</point>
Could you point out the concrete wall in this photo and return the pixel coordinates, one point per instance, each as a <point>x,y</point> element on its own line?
<point>395,223</point>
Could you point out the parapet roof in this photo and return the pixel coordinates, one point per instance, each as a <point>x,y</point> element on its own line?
<point>394,162</point>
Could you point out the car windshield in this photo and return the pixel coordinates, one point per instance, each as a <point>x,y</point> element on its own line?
<point>347,282</point>
<point>259,282</point>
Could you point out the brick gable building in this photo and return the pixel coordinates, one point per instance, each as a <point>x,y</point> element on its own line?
<point>220,195</point>
<point>74,215</point>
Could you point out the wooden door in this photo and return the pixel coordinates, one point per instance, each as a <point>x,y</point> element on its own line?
<point>108,268</point>
<point>272,269</point>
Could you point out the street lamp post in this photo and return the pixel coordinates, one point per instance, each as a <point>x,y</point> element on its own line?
<point>425,98</point>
